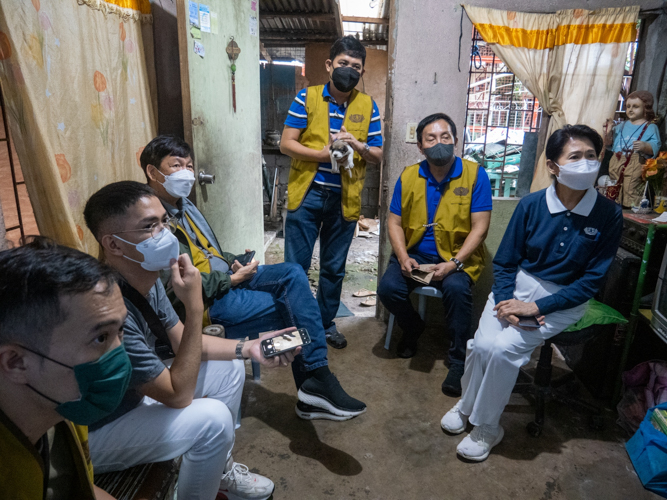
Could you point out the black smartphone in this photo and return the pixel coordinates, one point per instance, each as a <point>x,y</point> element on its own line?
<point>285,342</point>
<point>246,258</point>
<point>528,321</point>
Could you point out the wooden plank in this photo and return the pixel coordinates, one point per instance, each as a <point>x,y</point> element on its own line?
<point>365,20</point>
<point>264,52</point>
<point>183,16</point>
<point>335,8</point>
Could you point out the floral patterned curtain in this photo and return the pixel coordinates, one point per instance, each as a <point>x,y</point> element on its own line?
<point>76,82</point>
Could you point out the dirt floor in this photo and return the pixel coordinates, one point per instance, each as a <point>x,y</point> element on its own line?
<point>396,450</point>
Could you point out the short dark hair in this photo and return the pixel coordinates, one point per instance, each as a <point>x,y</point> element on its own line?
<point>434,118</point>
<point>349,46</point>
<point>163,146</point>
<point>559,138</point>
<point>35,277</point>
<point>112,201</point>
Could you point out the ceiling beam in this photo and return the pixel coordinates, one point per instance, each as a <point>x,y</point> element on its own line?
<point>286,37</point>
<point>335,8</point>
<point>313,16</point>
<point>365,20</point>
<point>264,52</point>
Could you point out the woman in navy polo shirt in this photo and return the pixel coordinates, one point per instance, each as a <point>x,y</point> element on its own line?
<point>554,254</point>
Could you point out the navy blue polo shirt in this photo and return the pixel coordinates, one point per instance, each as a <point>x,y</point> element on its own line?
<point>481,199</point>
<point>572,248</point>
<point>298,118</point>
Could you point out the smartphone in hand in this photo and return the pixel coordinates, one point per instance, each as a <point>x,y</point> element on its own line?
<point>285,342</point>
<point>528,321</point>
<point>246,258</point>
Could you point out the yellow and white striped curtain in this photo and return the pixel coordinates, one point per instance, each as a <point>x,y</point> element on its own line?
<point>572,61</point>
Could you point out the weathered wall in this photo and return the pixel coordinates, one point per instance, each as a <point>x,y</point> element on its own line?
<point>423,75</point>
<point>374,83</point>
<point>227,143</point>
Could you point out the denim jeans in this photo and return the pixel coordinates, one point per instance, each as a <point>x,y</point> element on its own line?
<point>321,213</point>
<point>394,291</point>
<point>277,297</point>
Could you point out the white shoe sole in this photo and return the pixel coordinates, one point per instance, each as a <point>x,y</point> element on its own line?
<point>481,458</point>
<point>231,496</point>
<point>453,431</point>
<point>311,400</point>
<point>315,415</point>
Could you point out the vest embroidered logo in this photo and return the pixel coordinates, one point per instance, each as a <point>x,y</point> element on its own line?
<point>590,231</point>
<point>461,191</point>
<point>356,118</point>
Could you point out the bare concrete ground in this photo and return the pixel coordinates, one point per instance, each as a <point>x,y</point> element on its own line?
<point>361,270</point>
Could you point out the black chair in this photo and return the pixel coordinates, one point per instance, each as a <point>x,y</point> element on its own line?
<point>563,389</point>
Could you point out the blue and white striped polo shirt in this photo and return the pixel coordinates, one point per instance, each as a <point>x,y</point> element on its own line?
<point>297,118</point>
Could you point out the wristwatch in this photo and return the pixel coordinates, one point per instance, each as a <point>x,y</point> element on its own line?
<point>367,148</point>
<point>239,350</point>
<point>459,264</point>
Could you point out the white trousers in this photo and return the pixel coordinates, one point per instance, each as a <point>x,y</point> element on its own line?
<point>202,432</point>
<point>499,350</point>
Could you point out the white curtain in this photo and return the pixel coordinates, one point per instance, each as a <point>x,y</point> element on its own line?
<point>572,61</point>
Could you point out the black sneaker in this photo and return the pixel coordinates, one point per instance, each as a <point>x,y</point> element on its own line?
<point>334,338</point>
<point>328,394</point>
<point>452,384</point>
<point>309,412</point>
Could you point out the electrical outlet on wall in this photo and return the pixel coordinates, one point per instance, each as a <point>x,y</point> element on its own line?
<point>411,132</point>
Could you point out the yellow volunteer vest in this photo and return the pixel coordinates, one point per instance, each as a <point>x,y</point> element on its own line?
<point>452,216</point>
<point>199,259</point>
<point>21,467</point>
<point>316,135</point>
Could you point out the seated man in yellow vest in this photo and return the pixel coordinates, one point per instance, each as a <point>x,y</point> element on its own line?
<point>62,367</point>
<point>439,214</point>
<point>248,299</point>
<point>321,201</point>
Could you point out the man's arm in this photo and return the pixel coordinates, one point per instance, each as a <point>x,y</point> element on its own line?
<point>175,387</point>
<point>479,228</point>
<point>290,146</point>
<point>373,155</point>
<point>397,240</point>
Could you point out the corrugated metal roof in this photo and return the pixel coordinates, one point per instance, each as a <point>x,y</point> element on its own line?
<point>294,22</point>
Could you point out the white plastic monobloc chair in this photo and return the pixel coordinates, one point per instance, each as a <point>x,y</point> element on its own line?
<point>423,292</point>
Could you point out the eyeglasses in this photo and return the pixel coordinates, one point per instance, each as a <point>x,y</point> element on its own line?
<point>156,228</point>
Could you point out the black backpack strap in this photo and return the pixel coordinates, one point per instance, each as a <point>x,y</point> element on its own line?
<point>162,345</point>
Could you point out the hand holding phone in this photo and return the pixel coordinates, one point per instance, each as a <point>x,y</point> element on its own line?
<point>528,321</point>
<point>286,342</point>
<point>246,258</point>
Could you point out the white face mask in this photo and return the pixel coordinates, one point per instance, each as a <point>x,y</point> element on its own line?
<point>179,184</point>
<point>157,252</point>
<point>578,175</point>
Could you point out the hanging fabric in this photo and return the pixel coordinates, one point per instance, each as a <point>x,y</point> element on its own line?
<point>572,61</point>
<point>76,76</point>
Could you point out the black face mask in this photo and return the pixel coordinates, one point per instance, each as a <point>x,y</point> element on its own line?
<point>440,154</point>
<point>345,78</point>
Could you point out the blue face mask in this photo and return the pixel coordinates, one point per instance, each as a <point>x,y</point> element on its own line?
<point>102,385</point>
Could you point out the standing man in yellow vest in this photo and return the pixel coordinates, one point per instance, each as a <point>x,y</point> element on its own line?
<point>320,202</point>
<point>62,368</point>
<point>439,214</point>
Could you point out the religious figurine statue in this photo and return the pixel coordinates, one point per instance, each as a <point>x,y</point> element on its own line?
<point>632,141</point>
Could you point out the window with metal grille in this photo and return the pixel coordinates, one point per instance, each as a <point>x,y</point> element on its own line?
<point>500,110</point>
<point>627,75</point>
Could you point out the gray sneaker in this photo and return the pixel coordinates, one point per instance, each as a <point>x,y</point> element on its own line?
<point>334,338</point>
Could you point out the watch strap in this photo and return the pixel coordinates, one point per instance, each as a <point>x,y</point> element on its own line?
<point>239,350</point>
<point>459,264</point>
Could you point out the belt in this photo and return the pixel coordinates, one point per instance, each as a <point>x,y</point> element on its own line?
<point>320,187</point>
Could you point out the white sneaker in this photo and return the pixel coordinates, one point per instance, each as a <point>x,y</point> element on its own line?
<point>477,445</point>
<point>241,484</point>
<point>454,421</point>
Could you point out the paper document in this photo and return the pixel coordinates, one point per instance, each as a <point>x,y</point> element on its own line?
<point>424,274</point>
